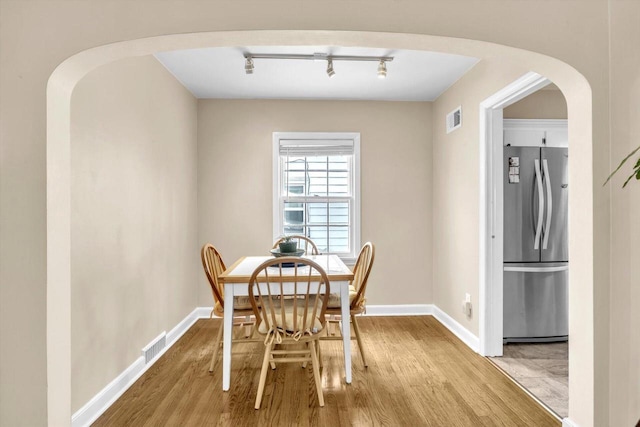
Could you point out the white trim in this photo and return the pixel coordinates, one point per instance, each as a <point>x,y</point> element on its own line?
<point>491,135</point>
<point>567,422</point>
<point>108,395</point>
<point>275,184</point>
<point>182,327</point>
<point>514,92</point>
<point>204,312</point>
<point>536,132</point>
<point>456,328</point>
<point>535,124</point>
<point>400,310</point>
<point>95,407</point>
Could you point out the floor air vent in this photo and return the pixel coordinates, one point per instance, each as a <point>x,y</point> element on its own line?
<point>154,347</point>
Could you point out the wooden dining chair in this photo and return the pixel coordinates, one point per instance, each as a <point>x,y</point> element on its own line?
<point>357,290</point>
<point>304,242</point>
<point>285,322</point>
<point>242,311</point>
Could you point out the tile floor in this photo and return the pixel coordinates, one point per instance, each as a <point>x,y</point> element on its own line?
<point>543,369</point>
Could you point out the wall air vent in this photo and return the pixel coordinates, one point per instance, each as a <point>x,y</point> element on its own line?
<point>454,119</point>
<point>153,349</point>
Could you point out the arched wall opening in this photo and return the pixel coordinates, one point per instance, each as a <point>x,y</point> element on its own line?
<point>64,79</point>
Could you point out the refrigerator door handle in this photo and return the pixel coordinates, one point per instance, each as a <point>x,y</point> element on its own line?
<point>536,241</point>
<point>537,269</point>
<point>547,180</point>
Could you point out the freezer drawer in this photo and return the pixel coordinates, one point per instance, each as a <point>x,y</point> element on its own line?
<point>536,302</point>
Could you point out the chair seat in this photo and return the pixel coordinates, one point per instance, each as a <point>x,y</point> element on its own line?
<point>313,325</point>
<point>239,303</point>
<point>334,299</point>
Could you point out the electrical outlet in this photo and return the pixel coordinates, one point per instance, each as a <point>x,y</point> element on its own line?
<point>467,308</point>
<point>466,305</point>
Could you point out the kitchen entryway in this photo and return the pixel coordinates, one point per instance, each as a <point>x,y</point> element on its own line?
<point>531,140</point>
<point>542,369</point>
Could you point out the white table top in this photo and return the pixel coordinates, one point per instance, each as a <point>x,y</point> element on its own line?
<point>241,270</point>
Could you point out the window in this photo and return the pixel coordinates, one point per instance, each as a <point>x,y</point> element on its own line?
<point>317,189</point>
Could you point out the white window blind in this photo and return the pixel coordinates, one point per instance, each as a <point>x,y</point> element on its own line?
<point>317,192</point>
<point>316,147</point>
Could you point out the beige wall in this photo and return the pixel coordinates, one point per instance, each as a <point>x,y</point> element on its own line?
<point>37,35</point>
<point>133,225</point>
<point>456,201</point>
<point>624,379</point>
<point>543,104</point>
<point>235,182</point>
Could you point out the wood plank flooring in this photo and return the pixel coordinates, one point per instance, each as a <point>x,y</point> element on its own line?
<point>419,374</point>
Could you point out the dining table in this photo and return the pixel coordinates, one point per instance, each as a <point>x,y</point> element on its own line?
<point>236,283</point>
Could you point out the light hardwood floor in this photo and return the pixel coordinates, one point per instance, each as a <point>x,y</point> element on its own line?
<point>419,375</point>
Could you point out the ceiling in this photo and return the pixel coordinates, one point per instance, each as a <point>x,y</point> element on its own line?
<point>219,73</point>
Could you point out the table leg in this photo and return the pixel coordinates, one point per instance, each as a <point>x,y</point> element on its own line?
<point>227,335</point>
<point>346,329</point>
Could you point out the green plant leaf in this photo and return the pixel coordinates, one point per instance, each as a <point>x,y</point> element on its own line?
<point>628,179</point>
<point>636,173</point>
<point>620,165</point>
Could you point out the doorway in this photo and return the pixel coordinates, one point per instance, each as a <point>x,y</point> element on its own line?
<point>538,366</point>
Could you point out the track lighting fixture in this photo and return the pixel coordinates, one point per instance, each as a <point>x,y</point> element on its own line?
<point>382,60</point>
<point>382,70</point>
<point>330,71</point>
<point>248,65</point>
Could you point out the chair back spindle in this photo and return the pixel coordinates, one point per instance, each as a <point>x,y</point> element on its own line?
<point>213,267</point>
<point>361,272</point>
<point>289,303</point>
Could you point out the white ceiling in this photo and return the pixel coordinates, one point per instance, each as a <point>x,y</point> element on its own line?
<point>219,73</point>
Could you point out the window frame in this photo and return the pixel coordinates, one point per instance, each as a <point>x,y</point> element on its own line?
<point>354,214</point>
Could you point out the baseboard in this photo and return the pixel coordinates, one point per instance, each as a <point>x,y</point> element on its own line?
<point>399,310</point>
<point>566,422</point>
<point>108,395</point>
<point>449,322</point>
<point>186,323</point>
<point>457,329</point>
<point>105,398</point>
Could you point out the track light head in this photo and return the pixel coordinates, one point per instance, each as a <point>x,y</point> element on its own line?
<point>382,69</point>
<point>248,65</point>
<point>382,60</point>
<point>330,71</point>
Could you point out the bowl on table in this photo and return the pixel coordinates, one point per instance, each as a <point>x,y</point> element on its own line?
<point>276,252</point>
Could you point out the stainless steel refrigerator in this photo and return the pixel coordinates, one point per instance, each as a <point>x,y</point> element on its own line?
<point>536,258</point>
